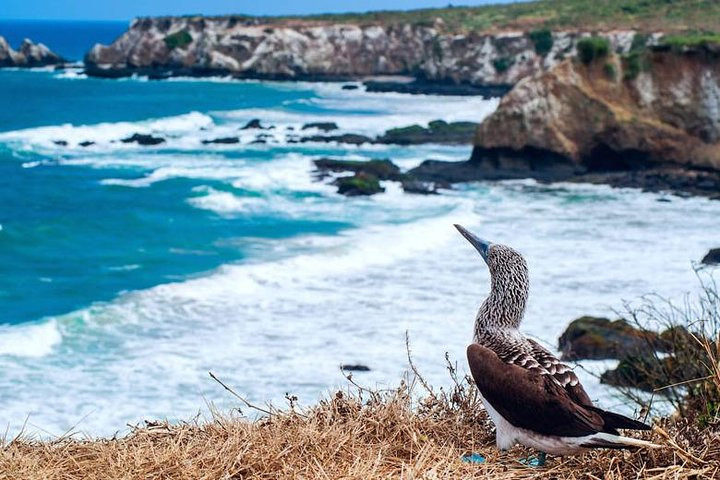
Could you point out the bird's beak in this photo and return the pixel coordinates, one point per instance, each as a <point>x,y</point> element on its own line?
<point>480,245</point>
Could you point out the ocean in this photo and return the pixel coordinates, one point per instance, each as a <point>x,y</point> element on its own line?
<point>129,272</point>
<point>70,39</point>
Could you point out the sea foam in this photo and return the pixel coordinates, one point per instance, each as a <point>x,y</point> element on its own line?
<point>32,340</point>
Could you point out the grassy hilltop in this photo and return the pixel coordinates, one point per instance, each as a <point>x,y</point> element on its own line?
<point>645,15</point>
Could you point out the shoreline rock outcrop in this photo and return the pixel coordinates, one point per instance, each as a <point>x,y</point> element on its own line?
<point>366,177</point>
<point>29,55</point>
<point>650,119</point>
<point>712,257</point>
<point>601,117</point>
<point>648,360</point>
<point>594,338</point>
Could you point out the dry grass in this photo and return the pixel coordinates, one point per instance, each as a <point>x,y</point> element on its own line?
<point>356,434</point>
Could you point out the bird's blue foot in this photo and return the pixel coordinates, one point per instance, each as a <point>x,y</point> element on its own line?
<point>473,458</point>
<point>535,460</point>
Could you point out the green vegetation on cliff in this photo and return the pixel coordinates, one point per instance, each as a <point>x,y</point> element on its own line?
<point>543,41</point>
<point>691,40</point>
<point>178,39</point>
<point>592,48</point>
<point>645,15</point>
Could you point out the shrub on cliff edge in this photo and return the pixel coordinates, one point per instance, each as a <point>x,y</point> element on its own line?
<point>543,41</point>
<point>592,48</point>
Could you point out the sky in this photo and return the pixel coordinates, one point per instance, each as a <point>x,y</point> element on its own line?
<point>128,9</point>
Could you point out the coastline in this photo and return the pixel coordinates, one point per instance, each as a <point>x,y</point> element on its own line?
<point>354,433</point>
<point>201,201</point>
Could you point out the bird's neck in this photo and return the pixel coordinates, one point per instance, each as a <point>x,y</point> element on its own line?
<point>504,307</point>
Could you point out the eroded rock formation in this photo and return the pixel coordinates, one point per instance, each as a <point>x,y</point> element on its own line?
<point>602,117</point>
<point>648,120</point>
<point>28,55</point>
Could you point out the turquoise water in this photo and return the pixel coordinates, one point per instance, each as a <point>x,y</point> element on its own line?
<point>99,240</point>
<point>128,272</point>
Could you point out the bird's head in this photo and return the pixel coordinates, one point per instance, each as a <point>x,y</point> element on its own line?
<point>509,281</point>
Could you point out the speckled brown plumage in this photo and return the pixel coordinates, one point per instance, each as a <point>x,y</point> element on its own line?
<point>499,317</point>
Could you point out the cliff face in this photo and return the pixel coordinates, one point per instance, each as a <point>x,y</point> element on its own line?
<point>29,55</point>
<point>647,120</point>
<point>659,110</point>
<point>314,50</point>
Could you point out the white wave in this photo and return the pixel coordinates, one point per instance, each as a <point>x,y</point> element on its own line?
<point>71,75</point>
<point>369,115</point>
<point>353,111</point>
<point>125,268</point>
<point>33,340</point>
<point>107,135</point>
<point>290,171</point>
<point>224,203</point>
<point>285,318</point>
<point>214,79</point>
<point>45,69</point>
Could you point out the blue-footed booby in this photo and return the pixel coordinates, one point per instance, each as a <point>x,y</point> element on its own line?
<point>531,397</point>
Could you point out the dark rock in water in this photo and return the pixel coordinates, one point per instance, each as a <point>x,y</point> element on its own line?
<point>350,86</point>
<point>410,185</point>
<point>227,140</point>
<point>636,372</point>
<point>358,185</point>
<point>448,172</point>
<point>682,182</point>
<point>593,338</point>
<point>381,169</point>
<point>323,126</point>
<point>652,373</point>
<point>350,138</point>
<point>437,131</point>
<point>62,143</point>
<point>649,371</point>
<point>498,164</point>
<point>712,257</point>
<point>86,143</point>
<point>260,141</point>
<point>436,88</point>
<point>253,124</point>
<point>355,368</point>
<point>143,139</point>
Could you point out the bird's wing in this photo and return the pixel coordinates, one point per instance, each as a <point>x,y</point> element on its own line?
<point>563,374</point>
<point>529,399</point>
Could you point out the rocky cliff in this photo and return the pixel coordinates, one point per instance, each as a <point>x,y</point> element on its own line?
<point>649,119</point>
<point>608,116</point>
<point>29,55</point>
<point>295,49</point>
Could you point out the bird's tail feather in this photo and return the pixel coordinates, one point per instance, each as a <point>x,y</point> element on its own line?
<point>608,440</point>
<point>615,420</point>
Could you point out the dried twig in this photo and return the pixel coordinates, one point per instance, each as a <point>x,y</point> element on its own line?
<point>247,404</point>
